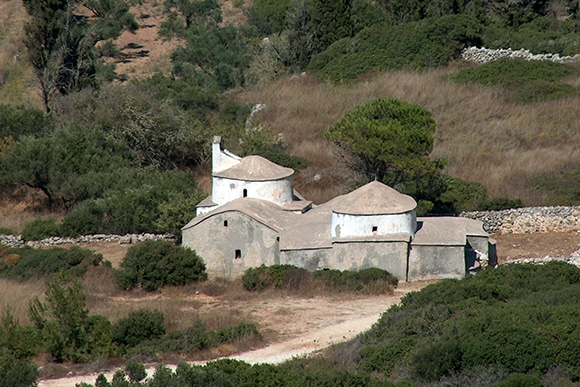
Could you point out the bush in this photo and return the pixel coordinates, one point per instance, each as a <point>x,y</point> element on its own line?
<point>498,204</point>
<point>16,373</point>
<point>68,333</point>
<point>525,80</point>
<point>39,229</point>
<point>372,280</point>
<point>29,262</point>
<point>276,276</point>
<point>138,326</point>
<point>153,264</point>
<point>412,46</point>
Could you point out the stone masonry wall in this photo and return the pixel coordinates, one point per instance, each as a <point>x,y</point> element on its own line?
<point>484,55</point>
<point>528,220</point>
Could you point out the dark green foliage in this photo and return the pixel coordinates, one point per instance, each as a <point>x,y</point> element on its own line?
<point>153,264</point>
<point>136,200</point>
<point>370,280</point>
<point>414,46</point>
<point>15,372</point>
<point>7,231</point>
<point>520,380</point>
<point>525,81</point>
<point>138,326</point>
<point>61,41</point>
<point>269,16</point>
<point>276,276</point>
<point>214,57</point>
<point>22,342</point>
<point>519,318</point>
<point>68,332</point>
<point>390,140</point>
<point>193,99</point>
<point>332,22</point>
<point>135,371</point>
<point>192,339</point>
<point>461,195</point>
<point>498,204</point>
<point>20,121</point>
<point>32,262</point>
<point>41,228</point>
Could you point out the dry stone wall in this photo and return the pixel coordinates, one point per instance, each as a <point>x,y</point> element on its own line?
<point>484,55</point>
<point>17,241</point>
<point>528,220</point>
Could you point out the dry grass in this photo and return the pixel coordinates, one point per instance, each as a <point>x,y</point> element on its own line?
<point>485,139</point>
<point>17,295</point>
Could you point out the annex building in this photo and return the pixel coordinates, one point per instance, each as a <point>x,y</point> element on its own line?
<point>254,216</point>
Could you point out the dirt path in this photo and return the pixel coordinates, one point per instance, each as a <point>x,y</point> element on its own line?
<point>303,326</point>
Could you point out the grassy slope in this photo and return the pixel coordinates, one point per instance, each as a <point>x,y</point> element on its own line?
<point>484,139</point>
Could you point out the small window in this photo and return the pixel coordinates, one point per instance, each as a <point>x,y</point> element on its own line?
<point>375,229</point>
<point>277,239</point>
<point>245,193</point>
<point>238,254</point>
<point>225,223</point>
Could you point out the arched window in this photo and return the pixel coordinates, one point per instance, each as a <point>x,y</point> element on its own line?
<point>245,193</point>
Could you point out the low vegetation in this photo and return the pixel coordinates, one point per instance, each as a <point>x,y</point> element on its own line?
<point>513,325</point>
<point>288,277</point>
<point>154,264</point>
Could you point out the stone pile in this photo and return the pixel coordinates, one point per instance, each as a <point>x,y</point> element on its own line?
<point>17,241</point>
<point>484,55</point>
<point>528,220</point>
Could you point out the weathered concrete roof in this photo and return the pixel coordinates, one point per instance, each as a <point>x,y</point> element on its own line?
<point>262,211</point>
<point>207,202</point>
<point>440,231</point>
<point>374,198</point>
<point>312,232</point>
<point>255,168</point>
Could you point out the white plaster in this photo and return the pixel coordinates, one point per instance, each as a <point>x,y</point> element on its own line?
<point>344,225</point>
<point>225,190</point>
<point>222,159</point>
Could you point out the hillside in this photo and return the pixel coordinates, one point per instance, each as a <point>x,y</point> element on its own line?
<point>514,150</point>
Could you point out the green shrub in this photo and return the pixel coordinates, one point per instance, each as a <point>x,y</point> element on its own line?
<point>39,229</point>
<point>515,318</point>
<point>137,200</point>
<point>21,341</point>
<point>135,371</point>
<point>138,326</point>
<point>6,231</point>
<point>497,204</point>
<point>372,280</point>
<point>153,264</point>
<point>525,80</point>
<point>520,380</point>
<point>15,372</point>
<point>68,333</point>
<point>461,195</point>
<point>276,276</point>
<point>42,262</point>
<point>412,46</point>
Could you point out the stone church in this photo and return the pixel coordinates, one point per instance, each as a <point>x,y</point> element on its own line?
<point>254,216</point>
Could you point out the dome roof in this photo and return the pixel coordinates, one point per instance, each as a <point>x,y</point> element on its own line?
<point>255,168</point>
<point>374,198</point>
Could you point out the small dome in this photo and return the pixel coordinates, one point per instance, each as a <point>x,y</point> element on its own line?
<point>255,168</point>
<point>374,198</point>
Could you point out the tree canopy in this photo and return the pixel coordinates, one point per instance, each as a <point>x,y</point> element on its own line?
<point>61,41</point>
<point>390,140</point>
